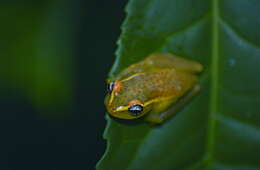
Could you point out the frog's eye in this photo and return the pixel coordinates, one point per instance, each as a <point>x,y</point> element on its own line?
<point>110,87</point>
<point>135,110</point>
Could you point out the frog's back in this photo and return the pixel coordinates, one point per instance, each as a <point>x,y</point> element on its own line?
<point>162,83</point>
<point>168,83</point>
<point>157,62</point>
<point>158,76</point>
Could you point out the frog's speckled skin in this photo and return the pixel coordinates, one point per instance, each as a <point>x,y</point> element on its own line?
<point>156,82</point>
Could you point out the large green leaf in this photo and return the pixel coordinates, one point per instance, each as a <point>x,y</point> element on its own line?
<point>220,128</point>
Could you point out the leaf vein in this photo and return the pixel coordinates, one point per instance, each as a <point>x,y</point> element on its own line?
<point>184,29</point>
<point>231,29</point>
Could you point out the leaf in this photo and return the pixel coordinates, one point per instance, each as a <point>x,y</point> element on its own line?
<point>220,128</point>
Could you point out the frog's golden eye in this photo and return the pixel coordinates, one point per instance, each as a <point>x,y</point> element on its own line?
<point>135,107</point>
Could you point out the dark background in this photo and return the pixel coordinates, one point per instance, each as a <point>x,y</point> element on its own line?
<point>55,56</point>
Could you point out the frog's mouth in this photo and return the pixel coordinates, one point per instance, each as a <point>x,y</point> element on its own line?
<point>124,115</point>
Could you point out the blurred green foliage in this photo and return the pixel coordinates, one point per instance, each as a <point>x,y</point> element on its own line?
<point>37,58</point>
<point>219,129</point>
<point>55,55</point>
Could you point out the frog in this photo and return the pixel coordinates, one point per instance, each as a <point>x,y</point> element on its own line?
<point>154,88</point>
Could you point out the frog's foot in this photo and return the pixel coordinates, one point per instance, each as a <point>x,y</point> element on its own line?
<point>161,117</point>
<point>154,119</point>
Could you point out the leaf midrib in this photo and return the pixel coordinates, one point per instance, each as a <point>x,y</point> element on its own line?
<point>214,83</point>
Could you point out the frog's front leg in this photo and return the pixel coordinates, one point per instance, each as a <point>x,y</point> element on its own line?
<point>157,117</point>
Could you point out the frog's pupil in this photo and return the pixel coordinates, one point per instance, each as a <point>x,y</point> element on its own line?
<point>136,109</point>
<point>110,87</point>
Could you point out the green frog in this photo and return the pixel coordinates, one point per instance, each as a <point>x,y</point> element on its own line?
<point>153,88</point>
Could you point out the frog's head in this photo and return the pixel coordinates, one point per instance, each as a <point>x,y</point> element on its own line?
<point>125,101</point>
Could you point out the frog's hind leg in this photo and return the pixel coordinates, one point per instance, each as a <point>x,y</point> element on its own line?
<point>162,116</point>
